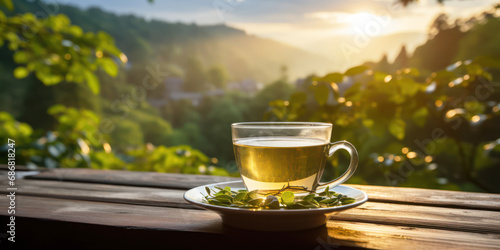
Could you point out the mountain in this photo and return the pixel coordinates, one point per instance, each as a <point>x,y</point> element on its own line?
<point>172,44</point>
<point>372,49</point>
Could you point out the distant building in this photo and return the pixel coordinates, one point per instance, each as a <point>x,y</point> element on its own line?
<point>174,92</point>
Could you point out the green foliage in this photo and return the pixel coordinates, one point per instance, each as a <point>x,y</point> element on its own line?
<point>71,145</point>
<point>217,76</point>
<point>179,159</point>
<point>77,142</point>
<point>196,78</point>
<point>12,129</point>
<point>260,103</point>
<point>126,134</point>
<point>482,39</point>
<point>56,51</point>
<point>218,127</point>
<point>106,160</point>
<point>154,129</point>
<point>390,116</point>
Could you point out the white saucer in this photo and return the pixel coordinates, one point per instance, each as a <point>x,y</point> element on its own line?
<point>272,219</point>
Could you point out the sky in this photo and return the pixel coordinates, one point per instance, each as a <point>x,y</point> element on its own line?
<point>350,32</point>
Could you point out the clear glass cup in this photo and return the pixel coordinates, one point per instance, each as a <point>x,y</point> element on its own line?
<point>273,156</point>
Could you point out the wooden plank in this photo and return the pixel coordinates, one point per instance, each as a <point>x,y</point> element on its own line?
<point>378,212</point>
<point>376,236</point>
<point>442,198</point>
<point>160,197</point>
<point>423,216</point>
<point>4,167</point>
<point>131,178</point>
<point>418,196</point>
<point>338,233</point>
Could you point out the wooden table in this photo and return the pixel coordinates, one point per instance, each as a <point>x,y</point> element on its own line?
<point>84,208</point>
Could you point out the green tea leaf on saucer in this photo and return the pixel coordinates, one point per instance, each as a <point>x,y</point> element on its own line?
<point>325,192</point>
<point>287,197</point>
<point>224,198</point>
<point>255,199</point>
<point>218,203</point>
<point>330,194</point>
<point>272,202</point>
<point>318,198</point>
<point>309,197</point>
<point>347,200</point>
<point>240,196</point>
<point>307,204</point>
<point>314,202</point>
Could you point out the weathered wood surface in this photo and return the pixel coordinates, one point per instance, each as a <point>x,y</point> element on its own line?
<point>129,178</point>
<point>419,196</point>
<point>400,214</point>
<point>369,235</point>
<point>150,206</point>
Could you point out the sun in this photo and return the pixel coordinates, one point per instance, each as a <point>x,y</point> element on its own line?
<point>360,19</point>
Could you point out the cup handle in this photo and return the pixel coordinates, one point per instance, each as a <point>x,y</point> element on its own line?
<point>352,166</point>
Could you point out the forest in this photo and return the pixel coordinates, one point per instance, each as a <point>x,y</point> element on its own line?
<point>81,89</point>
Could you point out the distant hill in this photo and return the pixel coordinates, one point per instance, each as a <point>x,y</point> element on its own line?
<point>243,56</point>
<point>374,50</point>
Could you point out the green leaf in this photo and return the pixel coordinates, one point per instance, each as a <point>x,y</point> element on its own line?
<point>287,197</point>
<point>298,98</point>
<point>272,202</point>
<point>321,93</point>
<point>347,200</point>
<point>309,197</point>
<point>368,123</point>
<point>92,82</point>
<point>420,116</point>
<point>208,190</point>
<point>227,189</point>
<point>21,56</point>
<point>75,30</point>
<point>379,76</point>
<point>109,66</point>
<point>8,4</point>
<point>333,77</point>
<point>356,70</point>
<point>397,128</point>
<point>408,86</point>
<point>224,198</point>
<point>240,196</point>
<point>21,72</point>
